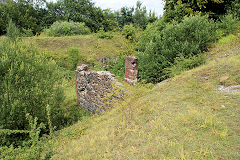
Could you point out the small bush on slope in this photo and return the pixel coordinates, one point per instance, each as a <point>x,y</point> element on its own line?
<point>104,35</point>
<point>62,28</point>
<point>228,24</point>
<point>182,64</point>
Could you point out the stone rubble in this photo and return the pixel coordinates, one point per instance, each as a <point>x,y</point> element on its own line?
<point>230,89</point>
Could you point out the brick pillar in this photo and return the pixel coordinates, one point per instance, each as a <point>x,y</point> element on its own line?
<point>131,70</point>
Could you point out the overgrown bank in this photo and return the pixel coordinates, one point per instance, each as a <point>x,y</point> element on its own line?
<point>186,118</point>
<point>38,94</point>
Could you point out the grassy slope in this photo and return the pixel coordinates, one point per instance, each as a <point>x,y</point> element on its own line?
<point>181,119</point>
<point>88,45</point>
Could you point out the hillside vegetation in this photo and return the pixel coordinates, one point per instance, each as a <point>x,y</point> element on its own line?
<point>89,46</point>
<point>185,118</point>
<point>182,108</point>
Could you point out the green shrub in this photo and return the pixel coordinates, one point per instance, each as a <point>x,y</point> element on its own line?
<point>28,83</point>
<point>129,31</point>
<point>27,33</point>
<point>73,56</point>
<point>117,66</point>
<point>190,37</point>
<point>228,24</point>
<point>147,35</point>
<point>104,35</point>
<point>235,8</point>
<point>183,64</point>
<point>12,31</point>
<point>21,153</point>
<point>63,28</point>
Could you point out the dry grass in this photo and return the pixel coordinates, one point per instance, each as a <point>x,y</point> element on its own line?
<point>180,119</point>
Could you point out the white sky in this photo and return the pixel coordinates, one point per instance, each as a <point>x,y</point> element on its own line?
<point>154,5</point>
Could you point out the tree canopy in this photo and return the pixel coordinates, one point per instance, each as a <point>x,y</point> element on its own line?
<point>177,9</point>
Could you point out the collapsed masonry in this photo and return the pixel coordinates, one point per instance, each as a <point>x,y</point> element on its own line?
<point>96,90</point>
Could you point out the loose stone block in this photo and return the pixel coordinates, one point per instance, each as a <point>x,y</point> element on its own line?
<point>131,70</point>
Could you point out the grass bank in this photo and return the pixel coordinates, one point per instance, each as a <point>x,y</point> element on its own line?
<point>186,118</point>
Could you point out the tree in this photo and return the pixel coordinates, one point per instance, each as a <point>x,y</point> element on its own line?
<point>177,9</point>
<point>152,17</point>
<point>109,22</point>
<point>140,16</point>
<point>77,11</point>
<point>125,16</point>
<point>24,15</point>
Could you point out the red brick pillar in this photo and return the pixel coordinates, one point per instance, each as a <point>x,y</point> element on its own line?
<point>131,70</point>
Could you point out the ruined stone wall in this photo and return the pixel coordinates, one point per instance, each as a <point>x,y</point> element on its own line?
<point>96,90</point>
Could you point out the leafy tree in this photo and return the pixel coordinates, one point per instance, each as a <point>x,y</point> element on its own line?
<point>125,16</point>
<point>234,8</point>
<point>140,16</point>
<point>109,22</point>
<point>152,17</point>
<point>22,14</point>
<point>77,11</point>
<point>177,9</point>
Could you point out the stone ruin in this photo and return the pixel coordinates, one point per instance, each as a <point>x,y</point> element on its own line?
<point>96,89</point>
<point>131,70</point>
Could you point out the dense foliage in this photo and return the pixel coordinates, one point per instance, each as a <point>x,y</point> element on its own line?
<point>29,82</point>
<point>171,47</point>
<point>177,9</point>
<point>25,16</point>
<point>187,38</point>
<point>32,17</point>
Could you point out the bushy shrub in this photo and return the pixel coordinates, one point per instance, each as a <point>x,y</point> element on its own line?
<point>28,83</point>
<point>27,86</point>
<point>12,31</point>
<point>117,66</point>
<point>129,31</point>
<point>147,35</point>
<point>27,33</point>
<point>190,37</point>
<point>183,64</point>
<point>63,28</point>
<point>234,8</point>
<point>73,57</point>
<point>228,24</point>
<point>104,35</point>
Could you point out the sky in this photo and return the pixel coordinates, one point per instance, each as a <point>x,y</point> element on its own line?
<point>154,5</point>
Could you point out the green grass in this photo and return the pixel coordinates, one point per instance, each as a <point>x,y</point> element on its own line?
<point>180,119</point>
<point>224,46</point>
<point>91,49</point>
<point>88,45</point>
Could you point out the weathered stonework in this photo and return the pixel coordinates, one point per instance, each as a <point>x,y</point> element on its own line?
<point>96,90</point>
<point>131,70</point>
